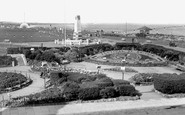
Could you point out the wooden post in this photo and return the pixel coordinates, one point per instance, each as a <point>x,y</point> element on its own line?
<point>122,75</point>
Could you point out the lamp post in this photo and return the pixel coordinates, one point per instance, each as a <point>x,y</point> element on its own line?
<point>123,68</point>
<point>123,71</point>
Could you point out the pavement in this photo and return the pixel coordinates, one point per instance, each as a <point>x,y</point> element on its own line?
<point>81,108</point>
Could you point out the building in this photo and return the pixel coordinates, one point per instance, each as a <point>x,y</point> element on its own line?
<point>77,28</point>
<point>24,25</point>
<point>144,30</point>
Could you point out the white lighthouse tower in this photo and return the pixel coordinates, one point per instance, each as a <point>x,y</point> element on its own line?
<point>77,28</point>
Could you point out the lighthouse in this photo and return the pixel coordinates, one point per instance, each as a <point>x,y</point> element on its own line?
<point>77,28</point>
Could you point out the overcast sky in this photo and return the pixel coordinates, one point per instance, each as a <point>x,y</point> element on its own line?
<point>94,11</point>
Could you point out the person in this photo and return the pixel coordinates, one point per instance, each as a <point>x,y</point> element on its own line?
<point>41,74</point>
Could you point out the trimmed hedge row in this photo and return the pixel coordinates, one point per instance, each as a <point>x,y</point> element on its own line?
<point>170,83</point>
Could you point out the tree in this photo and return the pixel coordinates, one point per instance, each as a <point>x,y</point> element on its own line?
<point>72,55</point>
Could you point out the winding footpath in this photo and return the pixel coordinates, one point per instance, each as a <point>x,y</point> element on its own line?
<point>36,86</point>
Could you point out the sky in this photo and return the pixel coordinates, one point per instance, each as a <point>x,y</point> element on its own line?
<point>94,11</point>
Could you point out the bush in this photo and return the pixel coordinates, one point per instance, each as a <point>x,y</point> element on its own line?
<point>143,78</point>
<point>88,85</point>
<point>70,94</point>
<point>100,76</point>
<point>70,90</point>
<point>89,93</point>
<point>117,82</point>
<point>52,95</point>
<point>103,82</point>
<point>7,61</point>
<point>79,78</point>
<point>8,80</point>
<point>57,78</point>
<point>170,83</point>
<point>126,90</point>
<point>108,92</point>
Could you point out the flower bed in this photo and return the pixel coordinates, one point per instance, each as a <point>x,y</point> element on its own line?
<point>137,64</point>
<point>143,78</point>
<point>118,69</point>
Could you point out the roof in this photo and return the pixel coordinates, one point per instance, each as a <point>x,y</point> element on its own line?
<point>144,28</point>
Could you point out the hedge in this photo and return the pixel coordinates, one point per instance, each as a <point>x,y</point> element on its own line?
<point>89,93</point>
<point>108,92</point>
<point>170,83</point>
<point>118,82</point>
<point>79,78</point>
<point>57,78</point>
<point>7,61</point>
<point>126,90</point>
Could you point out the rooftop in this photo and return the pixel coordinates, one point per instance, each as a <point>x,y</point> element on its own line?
<point>144,28</point>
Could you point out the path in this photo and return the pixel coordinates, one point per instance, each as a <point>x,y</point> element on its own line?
<point>36,86</point>
<point>118,75</point>
<point>93,107</point>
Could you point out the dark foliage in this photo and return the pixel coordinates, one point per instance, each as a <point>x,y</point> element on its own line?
<point>70,91</point>
<point>9,80</point>
<point>170,83</point>
<point>117,82</point>
<point>108,92</point>
<point>89,93</point>
<point>7,61</point>
<point>57,78</point>
<point>126,90</point>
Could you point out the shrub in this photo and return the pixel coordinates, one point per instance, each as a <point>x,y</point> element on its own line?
<point>126,90</point>
<point>170,83</point>
<point>7,61</point>
<point>11,79</point>
<point>89,93</point>
<point>52,95</point>
<point>70,94</point>
<point>108,92</point>
<point>88,85</point>
<point>143,77</point>
<point>104,82</point>
<point>100,76</point>
<point>70,90</point>
<point>79,78</point>
<point>57,78</point>
<point>117,82</point>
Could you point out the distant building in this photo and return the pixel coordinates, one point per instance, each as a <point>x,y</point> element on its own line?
<point>144,30</point>
<point>77,28</point>
<point>24,25</point>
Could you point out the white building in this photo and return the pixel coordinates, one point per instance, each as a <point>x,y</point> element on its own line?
<point>24,25</point>
<point>77,28</point>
